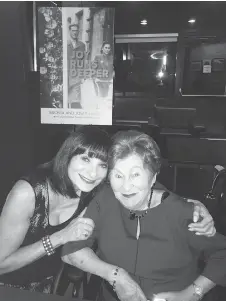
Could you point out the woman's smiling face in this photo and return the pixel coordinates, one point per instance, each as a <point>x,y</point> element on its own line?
<point>86,172</point>
<point>131,182</point>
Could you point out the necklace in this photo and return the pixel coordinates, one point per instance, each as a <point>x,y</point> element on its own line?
<point>134,215</point>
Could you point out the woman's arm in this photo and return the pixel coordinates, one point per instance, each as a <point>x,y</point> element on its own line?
<point>14,224</point>
<point>86,260</point>
<point>125,287</point>
<point>203,223</point>
<point>214,272</point>
<point>203,285</point>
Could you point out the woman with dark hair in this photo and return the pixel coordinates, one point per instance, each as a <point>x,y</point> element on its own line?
<point>145,248</point>
<point>103,65</point>
<point>43,210</point>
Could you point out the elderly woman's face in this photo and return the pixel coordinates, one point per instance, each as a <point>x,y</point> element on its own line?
<point>131,182</point>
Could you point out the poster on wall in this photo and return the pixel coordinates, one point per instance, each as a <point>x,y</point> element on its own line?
<point>207,66</point>
<point>75,60</point>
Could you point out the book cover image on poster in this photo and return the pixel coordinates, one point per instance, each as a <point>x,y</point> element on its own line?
<point>75,59</point>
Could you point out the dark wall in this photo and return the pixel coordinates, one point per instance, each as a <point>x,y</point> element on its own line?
<point>24,141</point>
<point>16,151</point>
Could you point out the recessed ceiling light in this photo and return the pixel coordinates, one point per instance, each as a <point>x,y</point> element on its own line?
<point>144,22</point>
<point>191,21</point>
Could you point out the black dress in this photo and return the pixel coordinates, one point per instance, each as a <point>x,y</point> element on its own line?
<point>39,275</point>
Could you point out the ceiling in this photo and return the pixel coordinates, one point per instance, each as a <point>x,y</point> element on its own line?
<point>166,16</point>
<point>161,16</point>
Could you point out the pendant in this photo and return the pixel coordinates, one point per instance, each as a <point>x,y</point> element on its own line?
<point>138,228</point>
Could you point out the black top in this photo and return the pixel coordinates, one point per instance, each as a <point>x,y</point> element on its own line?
<point>46,266</point>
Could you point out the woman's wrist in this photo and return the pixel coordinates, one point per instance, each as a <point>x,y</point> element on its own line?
<point>111,274</point>
<point>57,239</point>
<point>115,278</point>
<point>190,292</point>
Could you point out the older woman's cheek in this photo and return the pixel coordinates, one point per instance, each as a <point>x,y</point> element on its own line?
<point>115,183</point>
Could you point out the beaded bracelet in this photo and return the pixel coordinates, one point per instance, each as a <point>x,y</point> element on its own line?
<point>48,245</point>
<point>115,273</point>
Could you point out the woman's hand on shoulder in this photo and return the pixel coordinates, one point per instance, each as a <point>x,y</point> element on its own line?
<point>79,228</point>
<point>206,225</point>
<point>15,217</point>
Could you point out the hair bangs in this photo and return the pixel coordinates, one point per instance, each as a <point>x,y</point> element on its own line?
<point>93,151</point>
<point>99,152</point>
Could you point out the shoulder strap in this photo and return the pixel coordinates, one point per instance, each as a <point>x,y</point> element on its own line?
<point>37,180</point>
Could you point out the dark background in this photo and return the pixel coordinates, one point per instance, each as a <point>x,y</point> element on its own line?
<point>25,142</point>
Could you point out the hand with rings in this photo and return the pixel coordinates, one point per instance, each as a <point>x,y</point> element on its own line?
<point>87,231</point>
<point>78,229</point>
